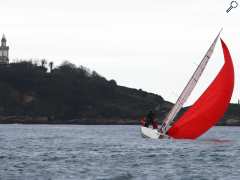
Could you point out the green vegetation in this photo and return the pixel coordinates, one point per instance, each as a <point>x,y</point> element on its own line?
<point>30,93</point>
<point>232,116</point>
<point>33,92</point>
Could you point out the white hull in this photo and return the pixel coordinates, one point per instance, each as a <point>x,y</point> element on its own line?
<point>149,132</point>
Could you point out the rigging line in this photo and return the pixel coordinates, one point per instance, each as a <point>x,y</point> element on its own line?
<point>190,86</point>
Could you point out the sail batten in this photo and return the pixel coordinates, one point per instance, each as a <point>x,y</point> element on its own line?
<point>189,87</point>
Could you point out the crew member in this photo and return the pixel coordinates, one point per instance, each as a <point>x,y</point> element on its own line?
<point>150,118</point>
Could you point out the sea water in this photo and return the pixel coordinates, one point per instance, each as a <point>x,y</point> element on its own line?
<point>114,152</point>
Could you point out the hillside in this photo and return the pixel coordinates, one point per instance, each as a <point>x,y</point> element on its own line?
<point>232,116</point>
<point>69,94</point>
<point>30,93</point>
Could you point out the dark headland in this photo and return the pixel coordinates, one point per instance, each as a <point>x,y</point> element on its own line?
<point>37,93</point>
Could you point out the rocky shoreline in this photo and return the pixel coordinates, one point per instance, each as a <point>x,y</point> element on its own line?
<point>89,121</point>
<point>82,121</point>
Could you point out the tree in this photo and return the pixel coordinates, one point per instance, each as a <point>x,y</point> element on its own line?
<point>51,66</point>
<point>113,83</point>
<point>43,62</point>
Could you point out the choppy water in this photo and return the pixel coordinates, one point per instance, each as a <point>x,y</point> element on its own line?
<point>114,152</point>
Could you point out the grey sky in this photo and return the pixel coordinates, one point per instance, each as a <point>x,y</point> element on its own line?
<point>154,45</point>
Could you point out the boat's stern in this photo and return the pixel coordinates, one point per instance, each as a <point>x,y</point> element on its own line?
<point>148,132</point>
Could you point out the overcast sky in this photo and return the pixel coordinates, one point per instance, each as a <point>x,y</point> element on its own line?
<point>154,45</point>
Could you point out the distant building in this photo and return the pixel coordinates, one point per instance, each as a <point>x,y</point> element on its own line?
<point>4,51</point>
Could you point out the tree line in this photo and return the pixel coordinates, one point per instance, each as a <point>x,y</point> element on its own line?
<point>30,88</point>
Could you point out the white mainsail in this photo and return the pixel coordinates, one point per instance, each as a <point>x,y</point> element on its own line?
<point>189,87</point>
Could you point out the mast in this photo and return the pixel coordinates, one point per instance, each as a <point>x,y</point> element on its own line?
<point>189,87</point>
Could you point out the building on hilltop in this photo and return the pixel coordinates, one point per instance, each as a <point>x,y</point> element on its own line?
<point>4,51</point>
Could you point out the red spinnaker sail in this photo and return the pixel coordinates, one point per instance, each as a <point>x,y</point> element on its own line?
<point>211,105</point>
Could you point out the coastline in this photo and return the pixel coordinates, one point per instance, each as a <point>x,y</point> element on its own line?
<point>88,121</point>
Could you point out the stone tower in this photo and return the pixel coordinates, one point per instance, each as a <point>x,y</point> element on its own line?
<point>4,51</point>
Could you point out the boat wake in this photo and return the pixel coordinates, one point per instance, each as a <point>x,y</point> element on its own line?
<point>217,141</point>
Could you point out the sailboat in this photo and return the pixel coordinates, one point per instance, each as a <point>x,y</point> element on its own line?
<point>208,109</point>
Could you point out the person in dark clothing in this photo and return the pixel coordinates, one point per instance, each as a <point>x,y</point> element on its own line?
<point>150,118</point>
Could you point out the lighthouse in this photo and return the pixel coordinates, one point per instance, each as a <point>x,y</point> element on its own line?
<point>4,51</point>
